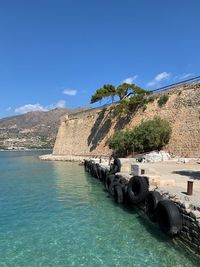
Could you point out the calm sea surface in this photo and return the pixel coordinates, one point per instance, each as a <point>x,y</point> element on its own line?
<point>55,214</point>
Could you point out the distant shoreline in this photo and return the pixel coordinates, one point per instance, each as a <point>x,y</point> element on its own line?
<point>23,150</point>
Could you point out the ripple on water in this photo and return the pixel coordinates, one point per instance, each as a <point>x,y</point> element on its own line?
<point>54,214</point>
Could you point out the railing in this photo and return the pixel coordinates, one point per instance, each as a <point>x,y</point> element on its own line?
<point>194,80</point>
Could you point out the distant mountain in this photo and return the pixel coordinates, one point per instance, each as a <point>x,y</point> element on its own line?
<point>36,129</point>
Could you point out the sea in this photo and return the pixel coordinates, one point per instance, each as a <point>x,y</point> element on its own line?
<point>55,214</point>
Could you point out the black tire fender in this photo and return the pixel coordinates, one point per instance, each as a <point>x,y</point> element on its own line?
<point>118,194</point>
<point>109,180</point>
<point>137,189</point>
<point>94,170</point>
<point>169,217</point>
<point>113,169</point>
<point>99,172</point>
<point>151,202</point>
<point>106,174</point>
<point>87,165</point>
<point>118,164</point>
<point>112,186</point>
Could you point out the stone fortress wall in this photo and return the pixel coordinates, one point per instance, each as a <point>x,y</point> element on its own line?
<point>86,133</point>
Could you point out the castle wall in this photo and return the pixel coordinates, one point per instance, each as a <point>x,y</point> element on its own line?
<point>87,132</point>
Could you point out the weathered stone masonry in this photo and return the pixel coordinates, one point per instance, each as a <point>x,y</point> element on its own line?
<point>86,133</point>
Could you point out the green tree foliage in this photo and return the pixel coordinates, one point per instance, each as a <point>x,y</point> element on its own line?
<point>121,142</point>
<point>123,91</point>
<point>131,96</point>
<point>108,90</point>
<point>149,135</point>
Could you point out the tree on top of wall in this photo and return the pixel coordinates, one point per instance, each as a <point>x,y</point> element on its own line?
<point>130,96</point>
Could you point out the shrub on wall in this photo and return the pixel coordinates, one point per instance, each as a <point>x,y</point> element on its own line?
<point>149,135</point>
<point>163,100</point>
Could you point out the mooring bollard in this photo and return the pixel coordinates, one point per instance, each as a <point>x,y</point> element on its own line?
<point>189,188</point>
<point>142,171</point>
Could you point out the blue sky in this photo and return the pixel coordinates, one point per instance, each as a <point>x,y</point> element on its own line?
<point>58,52</point>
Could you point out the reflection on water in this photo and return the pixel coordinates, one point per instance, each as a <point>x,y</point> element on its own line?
<point>71,182</point>
<point>55,214</point>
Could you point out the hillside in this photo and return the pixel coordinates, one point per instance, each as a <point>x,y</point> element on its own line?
<point>36,129</point>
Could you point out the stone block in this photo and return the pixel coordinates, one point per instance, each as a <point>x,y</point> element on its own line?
<point>125,167</point>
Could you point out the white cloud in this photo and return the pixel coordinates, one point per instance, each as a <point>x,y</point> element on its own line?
<point>60,104</point>
<point>185,75</point>
<point>130,79</point>
<point>162,76</point>
<point>151,83</point>
<point>71,92</point>
<point>159,78</point>
<point>37,107</point>
<point>8,108</point>
<point>30,107</point>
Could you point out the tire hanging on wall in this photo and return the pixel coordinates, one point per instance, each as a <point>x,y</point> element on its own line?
<point>89,167</point>
<point>95,170</point>
<point>109,180</point>
<point>118,194</point>
<point>99,172</point>
<point>86,165</point>
<point>151,202</point>
<point>112,186</point>
<point>102,174</point>
<point>116,166</point>
<point>169,217</point>
<point>138,189</point>
<point>105,174</point>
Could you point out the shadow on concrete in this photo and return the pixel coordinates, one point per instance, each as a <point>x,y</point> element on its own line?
<point>191,174</point>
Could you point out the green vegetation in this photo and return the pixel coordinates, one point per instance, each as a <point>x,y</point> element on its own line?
<point>131,96</point>
<point>163,100</point>
<point>179,93</point>
<point>149,135</point>
<point>121,142</point>
<point>144,107</point>
<point>108,90</point>
<point>151,99</point>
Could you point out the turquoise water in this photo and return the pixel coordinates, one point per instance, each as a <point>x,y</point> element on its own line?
<point>55,214</point>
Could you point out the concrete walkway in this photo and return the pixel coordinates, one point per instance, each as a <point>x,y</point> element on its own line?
<point>181,173</point>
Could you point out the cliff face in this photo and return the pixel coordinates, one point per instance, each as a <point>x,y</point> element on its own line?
<point>86,133</point>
